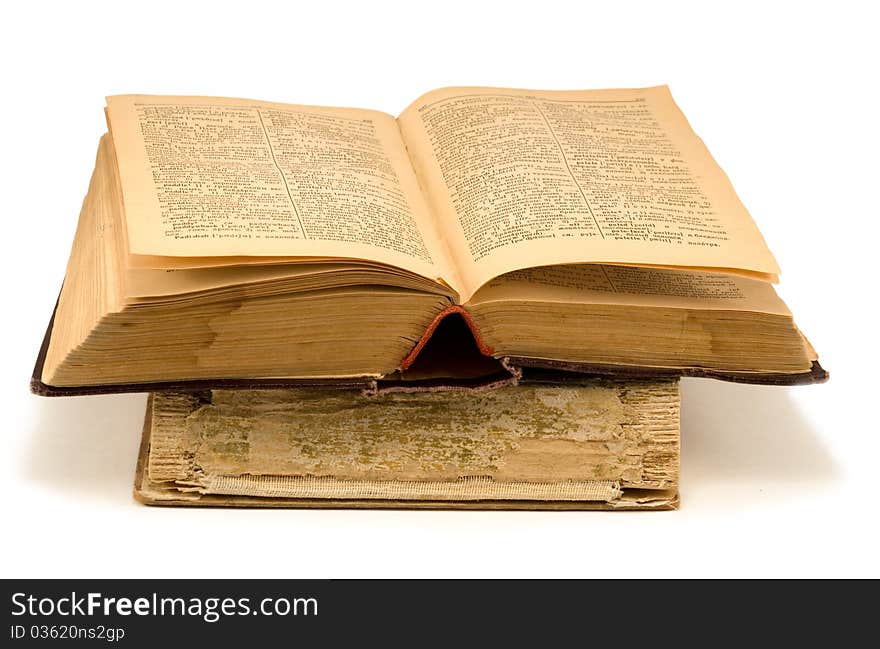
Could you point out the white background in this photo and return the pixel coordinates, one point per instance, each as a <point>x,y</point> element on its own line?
<point>775,481</point>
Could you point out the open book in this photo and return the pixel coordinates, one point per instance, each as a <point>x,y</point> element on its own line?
<point>228,239</point>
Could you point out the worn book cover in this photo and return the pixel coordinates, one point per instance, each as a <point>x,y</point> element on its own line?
<point>601,444</point>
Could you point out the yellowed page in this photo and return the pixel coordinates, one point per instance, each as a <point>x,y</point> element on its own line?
<point>218,177</point>
<point>521,178</point>
<point>641,287</point>
<point>155,283</point>
<point>181,263</point>
<point>148,282</point>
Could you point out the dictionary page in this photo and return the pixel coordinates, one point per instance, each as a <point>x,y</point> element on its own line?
<point>206,177</point>
<point>524,178</point>
<point>633,286</point>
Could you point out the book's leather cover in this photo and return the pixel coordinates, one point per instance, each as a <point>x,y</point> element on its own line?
<point>508,370</point>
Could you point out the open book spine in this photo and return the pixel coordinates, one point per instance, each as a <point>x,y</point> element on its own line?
<point>485,349</point>
<point>606,444</point>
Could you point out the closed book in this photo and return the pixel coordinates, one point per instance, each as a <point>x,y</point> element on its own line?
<point>593,444</point>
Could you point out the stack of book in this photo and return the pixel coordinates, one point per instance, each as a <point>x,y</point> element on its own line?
<point>487,301</point>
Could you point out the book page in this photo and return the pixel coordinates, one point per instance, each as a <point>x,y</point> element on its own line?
<point>629,285</point>
<point>521,178</point>
<point>216,177</point>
